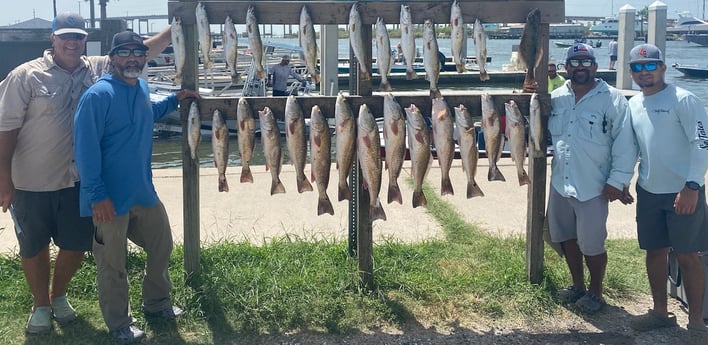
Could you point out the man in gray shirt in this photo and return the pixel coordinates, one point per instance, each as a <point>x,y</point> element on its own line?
<point>279,75</point>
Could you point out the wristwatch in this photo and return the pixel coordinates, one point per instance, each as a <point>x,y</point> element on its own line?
<point>693,185</point>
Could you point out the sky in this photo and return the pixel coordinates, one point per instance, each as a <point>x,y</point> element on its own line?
<point>22,10</point>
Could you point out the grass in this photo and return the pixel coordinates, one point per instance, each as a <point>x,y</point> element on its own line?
<point>290,285</point>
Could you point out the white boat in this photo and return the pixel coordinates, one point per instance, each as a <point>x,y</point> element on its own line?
<point>688,24</point>
<point>610,27</point>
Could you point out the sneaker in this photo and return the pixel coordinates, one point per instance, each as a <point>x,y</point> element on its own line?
<point>40,320</point>
<point>590,303</point>
<point>571,294</point>
<point>168,313</point>
<point>652,320</point>
<point>128,334</point>
<point>63,311</point>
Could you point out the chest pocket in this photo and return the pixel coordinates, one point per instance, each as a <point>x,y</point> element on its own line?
<point>593,127</point>
<point>556,122</point>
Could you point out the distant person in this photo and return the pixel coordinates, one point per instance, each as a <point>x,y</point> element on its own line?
<point>39,183</point>
<point>279,75</point>
<point>113,147</point>
<point>613,53</point>
<point>555,80</point>
<point>592,164</point>
<point>670,128</point>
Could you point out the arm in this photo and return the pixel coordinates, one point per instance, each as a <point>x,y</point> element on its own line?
<point>694,121</point>
<point>158,43</point>
<point>295,75</point>
<point>624,149</point>
<point>8,141</point>
<point>171,102</point>
<point>14,101</point>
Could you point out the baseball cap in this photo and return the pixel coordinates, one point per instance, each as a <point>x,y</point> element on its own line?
<point>580,49</point>
<point>645,53</point>
<point>126,38</point>
<point>67,23</point>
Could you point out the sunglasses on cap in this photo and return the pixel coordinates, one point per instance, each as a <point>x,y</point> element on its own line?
<point>71,36</point>
<point>137,52</point>
<point>649,66</point>
<point>578,62</point>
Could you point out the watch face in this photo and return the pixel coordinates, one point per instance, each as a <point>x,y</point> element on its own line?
<point>693,185</point>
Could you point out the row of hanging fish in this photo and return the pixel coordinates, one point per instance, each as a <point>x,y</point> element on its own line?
<point>360,134</point>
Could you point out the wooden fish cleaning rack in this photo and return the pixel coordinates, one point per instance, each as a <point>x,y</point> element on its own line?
<point>337,13</point>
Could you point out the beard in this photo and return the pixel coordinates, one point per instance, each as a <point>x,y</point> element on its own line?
<point>131,73</point>
<point>581,77</point>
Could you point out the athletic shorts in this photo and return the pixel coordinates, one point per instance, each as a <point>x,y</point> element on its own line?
<point>586,222</point>
<point>658,226</point>
<point>613,57</point>
<point>44,216</point>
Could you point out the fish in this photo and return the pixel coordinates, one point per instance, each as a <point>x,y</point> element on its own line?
<point>431,59</point>
<point>530,53</point>
<point>254,42</point>
<point>320,158</point>
<point>419,146</point>
<point>295,139</point>
<point>246,138</point>
<point>346,144</point>
<point>458,37</point>
<point>444,143</point>
<point>395,145</point>
<point>480,48</point>
<point>178,48</point>
<point>308,42</point>
<point>408,41</point>
<point>383,54</point>
<point>270,137</point>
<point>516,133</point>
<point>368,145</point>
<point>493,139</point>
<point>231,48</point>
<point>204,34</point>
<point>536,131</point>
<point>467,137</point>
<point>357,41</point>
<point>194,128</point>
<point>220,146</point>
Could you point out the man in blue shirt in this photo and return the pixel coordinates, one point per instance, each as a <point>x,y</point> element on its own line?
<point>113,146</point>
<point>593,163</point>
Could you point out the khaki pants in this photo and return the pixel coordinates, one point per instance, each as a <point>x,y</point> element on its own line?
<point>149,228</point>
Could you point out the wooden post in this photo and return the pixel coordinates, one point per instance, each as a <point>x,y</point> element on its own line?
<point>190,168</point>
<point>625,42</point>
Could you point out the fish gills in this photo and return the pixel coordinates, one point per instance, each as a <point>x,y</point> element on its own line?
<point>369,154</point>
<point>270,137</point>
<point>467,136</point>
<point>320,158</point>
<point>246,138</point>
<point>395,145</point>
<point>220,147</point>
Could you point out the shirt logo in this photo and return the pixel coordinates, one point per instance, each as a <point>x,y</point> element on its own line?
<point>702,135</point>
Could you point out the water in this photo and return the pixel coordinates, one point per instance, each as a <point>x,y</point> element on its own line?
<point>167,152</point>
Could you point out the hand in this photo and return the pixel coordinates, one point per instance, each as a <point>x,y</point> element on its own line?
<point>686,200</point>
<point>531,86</point>
<point>611,193</point>
<point>7,189</point>
<point>186,93</point>
<point>103,211</point>
<point>626,197</point>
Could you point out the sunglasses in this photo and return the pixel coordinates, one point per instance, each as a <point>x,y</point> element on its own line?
<point>578,62</point>
<point>649,66</point>
<point>136,52</point>
<point>71,36</point>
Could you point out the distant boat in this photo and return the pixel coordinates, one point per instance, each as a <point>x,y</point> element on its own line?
<point>692,70</point>
<point>562,44</point>
<point>688,24</point>
<point>610,26</point>
<point>596,44</point>
<point>701,39</point>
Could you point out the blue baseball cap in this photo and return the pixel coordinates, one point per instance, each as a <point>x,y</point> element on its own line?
<point>67,23</point>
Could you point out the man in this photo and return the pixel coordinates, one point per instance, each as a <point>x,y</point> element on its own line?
<point>555,80</point>
<point>38,179</point>
<point>279,75</point>
<point>670,128</point>
<point>113,145</point>
<point>592,164</point>
<point>613,53</point>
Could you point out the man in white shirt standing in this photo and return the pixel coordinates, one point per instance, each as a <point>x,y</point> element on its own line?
<point>670,128</point>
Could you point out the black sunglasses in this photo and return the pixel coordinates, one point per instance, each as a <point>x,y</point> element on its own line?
<point>136,52</point>
<point>578,62</point>
<point>649,66</point>
<point>71,36</point>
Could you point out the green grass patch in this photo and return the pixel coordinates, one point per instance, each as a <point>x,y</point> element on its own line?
<point>291,285</point>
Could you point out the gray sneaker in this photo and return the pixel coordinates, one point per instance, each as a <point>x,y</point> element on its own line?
<point>40,320</point>
<point>128,334</point>
<point>570,295</point>
<point>63,311</point>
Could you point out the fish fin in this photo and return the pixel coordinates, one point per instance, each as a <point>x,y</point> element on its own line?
<point>495,174</point>
<point>324,206</point>
<point>523,178</point>
<point>178,80</point>
<point>411,74</point>
<point>343,192</point>
<point>223,184</point>
<point>461,68</point>
<point>435,93</point>
<point>312,176</point>
<point>246,175</point>
<point>473,190</point>
<point>446,187</point>
<point>394,193</point>
<point>419,199</point>
<point>277,187</point>
<point>376,212</point>
<point>304,185</point>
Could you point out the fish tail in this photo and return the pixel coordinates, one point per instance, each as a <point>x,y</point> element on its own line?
<point>523,178</point>
<point>376,212</point>
<point>394,193</point>
<point>209,64</point>
<point>223,184</point>
<point>277,187</point>
<point>419,198</point>
<point>483,75</point>
<point>460,68</point>
<point>495,174</point>
<point>435,93</point>
<point>344,192</point>
<point>315,78</point>
<point>410,74</point>
<point>246,175</point>
<point>303,185</point>
<point>262,74</point>
<point>324,206</point>
<point>473,190</point>
<point>178,80</point>
<point>385,86</point>
<point>446,187</point>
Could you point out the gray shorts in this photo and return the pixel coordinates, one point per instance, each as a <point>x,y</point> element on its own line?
<point>44,216</point>
<point>586,222</point>
<point>658,226</point>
